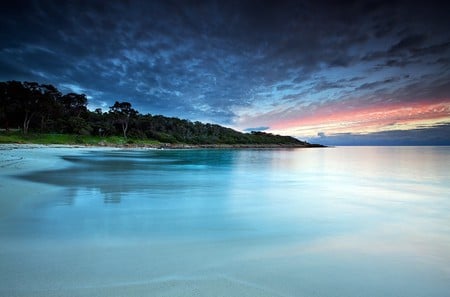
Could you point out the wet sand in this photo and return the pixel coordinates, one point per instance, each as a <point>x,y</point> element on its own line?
<point>18,159</point>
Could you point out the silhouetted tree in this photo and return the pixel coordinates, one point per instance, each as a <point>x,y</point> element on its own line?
<point>101,123</point>
<point>48,104</point>
<point>5,104</point>
<point>29,94</point>
<point>74,109</point>
<point>122,113</point>
<point>74,104</point>
<point>25,100</point>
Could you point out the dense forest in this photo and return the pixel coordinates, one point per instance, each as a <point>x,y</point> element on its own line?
<point>40,108</point>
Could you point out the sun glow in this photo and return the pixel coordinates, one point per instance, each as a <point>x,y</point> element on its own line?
<point>330,120</point>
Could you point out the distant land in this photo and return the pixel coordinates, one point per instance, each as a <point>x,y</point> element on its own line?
<point>39,113</point>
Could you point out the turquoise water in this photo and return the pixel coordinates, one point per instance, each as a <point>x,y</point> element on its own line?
<point>350,221</point>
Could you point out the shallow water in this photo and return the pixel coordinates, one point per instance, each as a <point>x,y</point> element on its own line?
<point>350,221</point>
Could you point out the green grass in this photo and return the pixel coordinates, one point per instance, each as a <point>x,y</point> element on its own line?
<point>69,139</point>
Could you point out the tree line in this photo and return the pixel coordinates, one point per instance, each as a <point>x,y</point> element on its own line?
<point>42,108</point>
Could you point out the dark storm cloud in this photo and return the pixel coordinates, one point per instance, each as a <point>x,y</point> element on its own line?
<point>407,52</point>
<point>435,49</point>
<point>206,60</point>
<point>408,43</point>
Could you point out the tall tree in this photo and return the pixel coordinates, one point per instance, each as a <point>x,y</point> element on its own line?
<point>26,100</point>
<point>29,94</point>
<point>74,104</point>
<point>48,104</point>
<point>122,113</point>
<point>5,103</point>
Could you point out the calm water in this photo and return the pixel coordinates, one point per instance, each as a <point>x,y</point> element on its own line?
<point>351,221</point>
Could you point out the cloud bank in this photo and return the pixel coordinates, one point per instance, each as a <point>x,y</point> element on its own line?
<point>298,67</point>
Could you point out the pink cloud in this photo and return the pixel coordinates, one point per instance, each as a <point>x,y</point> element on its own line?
<point>356,118</point>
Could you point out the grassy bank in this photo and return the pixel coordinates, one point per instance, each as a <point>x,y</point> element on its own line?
<point>69,139</point>
<point>116,141</point>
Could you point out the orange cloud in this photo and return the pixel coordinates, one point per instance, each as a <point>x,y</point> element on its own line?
<point>340,117</point>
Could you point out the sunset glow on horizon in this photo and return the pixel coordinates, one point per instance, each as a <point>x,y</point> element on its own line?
<point>330,120</point>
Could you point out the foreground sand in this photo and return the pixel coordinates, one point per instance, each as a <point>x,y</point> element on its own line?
<point>16,159</point>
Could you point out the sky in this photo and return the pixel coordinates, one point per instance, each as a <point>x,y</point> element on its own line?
<point>330,72</point>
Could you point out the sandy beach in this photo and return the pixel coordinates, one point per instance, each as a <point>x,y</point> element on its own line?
<point>17,159</point>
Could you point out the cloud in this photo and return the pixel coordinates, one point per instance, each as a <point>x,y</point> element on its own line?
<point>262,128</point>
<point>434,49</point>
<point>408,43</point>
<point>437,135</point>
<point>375,84</point>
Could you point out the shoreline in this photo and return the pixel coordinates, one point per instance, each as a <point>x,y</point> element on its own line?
<point>17,159</point>
<point>161,146</point>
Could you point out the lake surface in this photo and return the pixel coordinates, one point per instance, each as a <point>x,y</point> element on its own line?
<point>346,221</point>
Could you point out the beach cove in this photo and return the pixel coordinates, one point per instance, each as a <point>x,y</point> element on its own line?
<point>349,221</point>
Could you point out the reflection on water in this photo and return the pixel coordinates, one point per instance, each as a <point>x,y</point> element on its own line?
<point>355,221</point>
<point>151,172</point>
